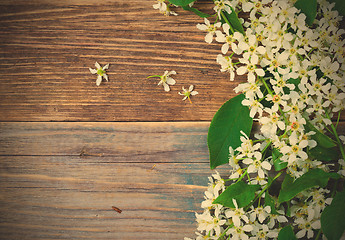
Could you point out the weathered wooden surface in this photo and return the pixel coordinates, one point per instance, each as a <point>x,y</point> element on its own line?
<point>60,180</point>
<point>46,48</point>
<point>72,198</point>
<point>128,142</point>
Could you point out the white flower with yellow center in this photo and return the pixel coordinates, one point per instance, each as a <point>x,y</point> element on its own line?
<point>227,39</point>
<point>166,80</point>
<point>262,232</point>
<point>247,148</point>
<point>260,213</point>
<point>236,214</point>
<point>187,93</point>
<point>256,165</point>
<point>295,149</point>
<point>271,123</point>
<point>211,29</point>
<point>277,100</point>
<point>251,67</point>
<point>226,65</point>
<point>254,105</point>
<point>222,5</point>
<point>307,226</point>
<point>100,71</point>
<point>239,233</point>
<point>163,8</point>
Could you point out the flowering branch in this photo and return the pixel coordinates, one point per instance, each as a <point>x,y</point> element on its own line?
<point>292,53</point>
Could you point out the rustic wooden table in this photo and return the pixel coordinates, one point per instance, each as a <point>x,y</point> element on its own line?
<point>70,150</point>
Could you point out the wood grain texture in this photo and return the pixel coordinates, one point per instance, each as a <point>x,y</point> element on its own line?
<point>119,142</point>
<point>60,180</point>
<point>46,197</point>
<point>154,172</point>
<point>46,48</point>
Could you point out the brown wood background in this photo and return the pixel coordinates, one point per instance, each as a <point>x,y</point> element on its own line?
<point>47,47</point>
<point>70,150</point>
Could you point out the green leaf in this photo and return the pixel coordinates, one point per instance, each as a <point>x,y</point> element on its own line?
<point>270,202</point>
<point>324,154</point>
<point>314,177</point>
<point>196,11</point>
<point>288,209</point>
<point>308,7</point>
<point>240,191</point>
<point>321,139</point>
<point>333,218</point>
<point>286,233</point>
<point>278,164</point>
<point>234,21</point>
<point>225,129</point>
<point>339,6</point>
<point>288,180</point>
<point>181,2</point>
<point>294,81</point>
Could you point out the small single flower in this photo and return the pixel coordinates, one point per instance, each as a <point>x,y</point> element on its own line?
<point>236,214</point>
<point>166,80</point>
<point>100,72</point>
<point>211,29</point>
<point>163,8</point>
<point>187,93</point>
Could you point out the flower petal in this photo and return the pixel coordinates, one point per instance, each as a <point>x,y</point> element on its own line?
<point>225,48</point>
<point>260,72</point>
<point>201,27</point>
<point>97,65</point>
<point>93,71</point>
<point>105,76</point>
<point>209,37</point>
<point>316,224</point>
<point>236,220</point>
<point>241,70</point>
<point>170,81</point>
<point>99,80</point>
<point>106,66</point>
<point>301,233</point>
<point>266,165</point>
<point>247,228</point>
<point>166,87</point>
<point>251,169</point>
<point>171,72</point>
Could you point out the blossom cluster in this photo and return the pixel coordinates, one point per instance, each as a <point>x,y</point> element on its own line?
<point>295,79</point>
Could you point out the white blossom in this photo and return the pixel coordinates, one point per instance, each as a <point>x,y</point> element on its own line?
<point>166,80</point>
<point>187,93</point>
<point>163,8</point>
<point>211,29</point>
<point>100,71</point>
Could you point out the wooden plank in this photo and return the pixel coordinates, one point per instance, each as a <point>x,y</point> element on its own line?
<point>46,48</point>
<point>112,142</point>
<point>154,172</point>
<point>46,197</point>
<point>119,141</point>
<point>59,194</point>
